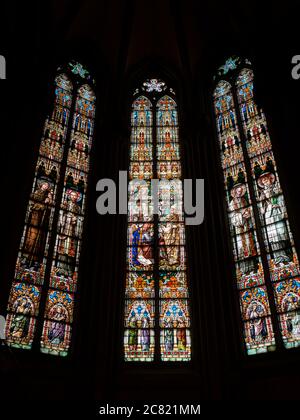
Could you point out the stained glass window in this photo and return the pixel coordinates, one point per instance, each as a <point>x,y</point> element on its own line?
<point>267,268</point>
<point>64,268</point>
<point>157,322</point>
<point>45,278</point>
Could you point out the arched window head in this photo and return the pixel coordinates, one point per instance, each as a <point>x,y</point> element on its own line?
<point>46,274</point>
<point>156,319</point>
<point>266,262</point>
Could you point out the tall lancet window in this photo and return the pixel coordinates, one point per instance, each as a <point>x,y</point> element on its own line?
<point>266,262</point>
<point>157,320</point>
<point>45,279</point>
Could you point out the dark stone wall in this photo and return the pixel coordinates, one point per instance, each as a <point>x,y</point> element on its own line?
<point>121,47</point>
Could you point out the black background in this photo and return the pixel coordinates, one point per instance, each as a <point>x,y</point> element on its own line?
<point>123,43</point>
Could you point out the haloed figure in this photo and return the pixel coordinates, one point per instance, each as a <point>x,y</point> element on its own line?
<point>293,324</point>
<point>20,323</point>
<point>258,327</point>
<point>181,339</point>
<point>241,220</point>
<point>145,335</point>
<point>170,237</point>
<point>38,220</point>
<point>142,245</point>
<point>132,334</point>
<point>169,340</point>
<point>68,229</point>
<point>56,333</point>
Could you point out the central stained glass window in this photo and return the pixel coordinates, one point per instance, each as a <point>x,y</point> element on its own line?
<point>156,319</point>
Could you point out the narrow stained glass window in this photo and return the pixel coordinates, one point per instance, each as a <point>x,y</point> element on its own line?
<point>175,343</point>
<point>277,237</point>
<point>265,257</point>
<point>24,299</point>
<point>140,288</point>
<point>156,294</point>
<point>50,244</point>
<point>248,264</point>
<point>64,269</point>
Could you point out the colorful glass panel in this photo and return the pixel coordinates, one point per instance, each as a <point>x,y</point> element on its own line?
<point>258,331</point>
<point>277,236</point>
<point>139,337</point>
<point>65,264</point>
<point>156,262</point>
<point>23,306</point>
<point>175,341</point>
